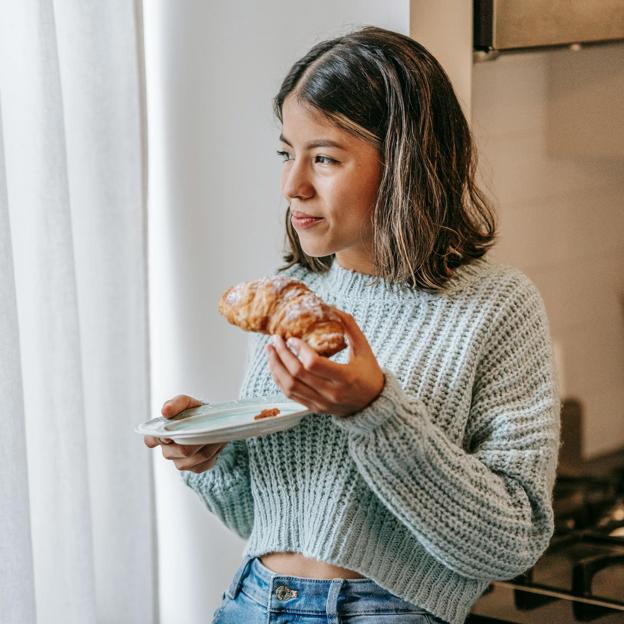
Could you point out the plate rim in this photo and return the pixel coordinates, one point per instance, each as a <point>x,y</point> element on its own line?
<point>142,428</point>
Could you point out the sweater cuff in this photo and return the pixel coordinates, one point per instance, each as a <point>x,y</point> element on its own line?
<point>391,400</point>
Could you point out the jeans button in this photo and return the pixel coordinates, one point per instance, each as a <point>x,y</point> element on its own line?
<point>283,592</point>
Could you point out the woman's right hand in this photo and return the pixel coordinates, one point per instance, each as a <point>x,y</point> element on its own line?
<point>194,458</point>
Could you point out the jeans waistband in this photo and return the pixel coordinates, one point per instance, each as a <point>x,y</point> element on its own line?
<point>331,597</point>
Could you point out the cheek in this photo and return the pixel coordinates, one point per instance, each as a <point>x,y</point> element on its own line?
<point>355,200</point>
<point>337,193</point>
<point>372,177</point>
<point>282,181</point>
<point>361,185</point>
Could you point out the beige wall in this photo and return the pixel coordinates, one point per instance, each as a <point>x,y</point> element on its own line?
<point>560,200</point>
<point>444,27</point>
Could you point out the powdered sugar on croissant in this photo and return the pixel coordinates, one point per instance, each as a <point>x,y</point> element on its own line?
<point>285,306</point>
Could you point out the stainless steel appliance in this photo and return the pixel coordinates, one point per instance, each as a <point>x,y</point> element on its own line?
<point>580,577</point>
<point>512,25</point>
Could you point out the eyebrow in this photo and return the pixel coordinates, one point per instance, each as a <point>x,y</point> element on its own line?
<point>315,143</point>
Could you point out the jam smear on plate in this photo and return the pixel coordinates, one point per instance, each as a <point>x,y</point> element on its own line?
<point>267,413</point>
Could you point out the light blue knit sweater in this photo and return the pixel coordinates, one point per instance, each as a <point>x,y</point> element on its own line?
<point>444,482</point>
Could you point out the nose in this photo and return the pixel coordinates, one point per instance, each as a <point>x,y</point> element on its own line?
<point>296,182</point>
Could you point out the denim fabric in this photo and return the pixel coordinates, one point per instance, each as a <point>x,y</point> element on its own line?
<point>258,595</point>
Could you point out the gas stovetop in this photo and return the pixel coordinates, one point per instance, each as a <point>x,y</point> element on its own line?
<point>580,577</point>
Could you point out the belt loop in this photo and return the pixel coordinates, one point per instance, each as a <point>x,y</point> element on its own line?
<point>332,601</point>
<point>237,581</point>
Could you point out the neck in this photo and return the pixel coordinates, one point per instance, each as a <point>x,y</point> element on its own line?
<point>356,264</point>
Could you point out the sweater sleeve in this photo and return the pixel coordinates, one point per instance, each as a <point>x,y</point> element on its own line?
<point>225,488</point>
<point>484,511</point>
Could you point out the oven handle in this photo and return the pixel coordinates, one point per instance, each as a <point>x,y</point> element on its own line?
<point>544,590</point>
<point>582,578</point>
<point>585,569</point>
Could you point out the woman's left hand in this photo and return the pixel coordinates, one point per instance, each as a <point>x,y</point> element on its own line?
<point>322,385</point>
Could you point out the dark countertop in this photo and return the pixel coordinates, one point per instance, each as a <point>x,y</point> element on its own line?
<point>600,466</point>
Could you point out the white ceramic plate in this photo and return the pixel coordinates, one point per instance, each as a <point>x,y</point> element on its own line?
<point>222,422</point>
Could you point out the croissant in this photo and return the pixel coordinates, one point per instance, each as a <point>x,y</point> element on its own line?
<point>285,306</point>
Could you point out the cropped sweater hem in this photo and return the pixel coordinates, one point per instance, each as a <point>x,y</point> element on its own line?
<point>416,580</point>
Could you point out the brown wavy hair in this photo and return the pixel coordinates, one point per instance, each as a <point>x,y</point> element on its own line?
<point>429,216</point>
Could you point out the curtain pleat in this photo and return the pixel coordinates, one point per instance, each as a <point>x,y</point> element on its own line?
<point>71,89</point>
<point>17,595</point>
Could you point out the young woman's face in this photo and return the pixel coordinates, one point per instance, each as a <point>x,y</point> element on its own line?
<point>333,176</point>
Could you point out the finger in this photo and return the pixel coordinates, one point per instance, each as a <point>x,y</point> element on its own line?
<point>357,339</point>
<point>151,441</point>
<point>284,379</point>
<point>314,363</point>
<point>296,390</point>
<point>206,455</point>
<point>180,451</point>
<point>307,371</point>
<point>178,404</point>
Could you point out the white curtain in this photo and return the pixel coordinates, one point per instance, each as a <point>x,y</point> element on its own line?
<point>77,534</point>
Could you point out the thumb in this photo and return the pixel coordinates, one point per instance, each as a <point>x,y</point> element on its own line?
<point>357,340</point>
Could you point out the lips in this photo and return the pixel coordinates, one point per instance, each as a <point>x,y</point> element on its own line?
<point>298,214</point>
<point>303,221</point>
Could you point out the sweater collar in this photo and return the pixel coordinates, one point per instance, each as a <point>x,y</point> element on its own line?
<point>348,284</point>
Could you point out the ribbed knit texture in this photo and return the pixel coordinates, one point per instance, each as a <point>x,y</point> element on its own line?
<point>443,483</point>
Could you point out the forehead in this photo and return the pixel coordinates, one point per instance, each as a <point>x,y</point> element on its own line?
<point>302,122</point>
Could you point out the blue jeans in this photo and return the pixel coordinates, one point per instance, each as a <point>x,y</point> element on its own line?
<point>258,595</point>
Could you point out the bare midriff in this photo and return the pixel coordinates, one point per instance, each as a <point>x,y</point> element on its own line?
<point>295,564</point>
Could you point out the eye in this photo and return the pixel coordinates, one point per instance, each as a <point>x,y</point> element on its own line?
<point>285,155</point>
<point>325,160</point>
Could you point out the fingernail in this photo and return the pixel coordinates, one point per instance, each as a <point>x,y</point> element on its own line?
<point>293,343</point>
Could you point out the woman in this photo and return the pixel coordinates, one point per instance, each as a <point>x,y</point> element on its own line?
<point>427,467</point>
